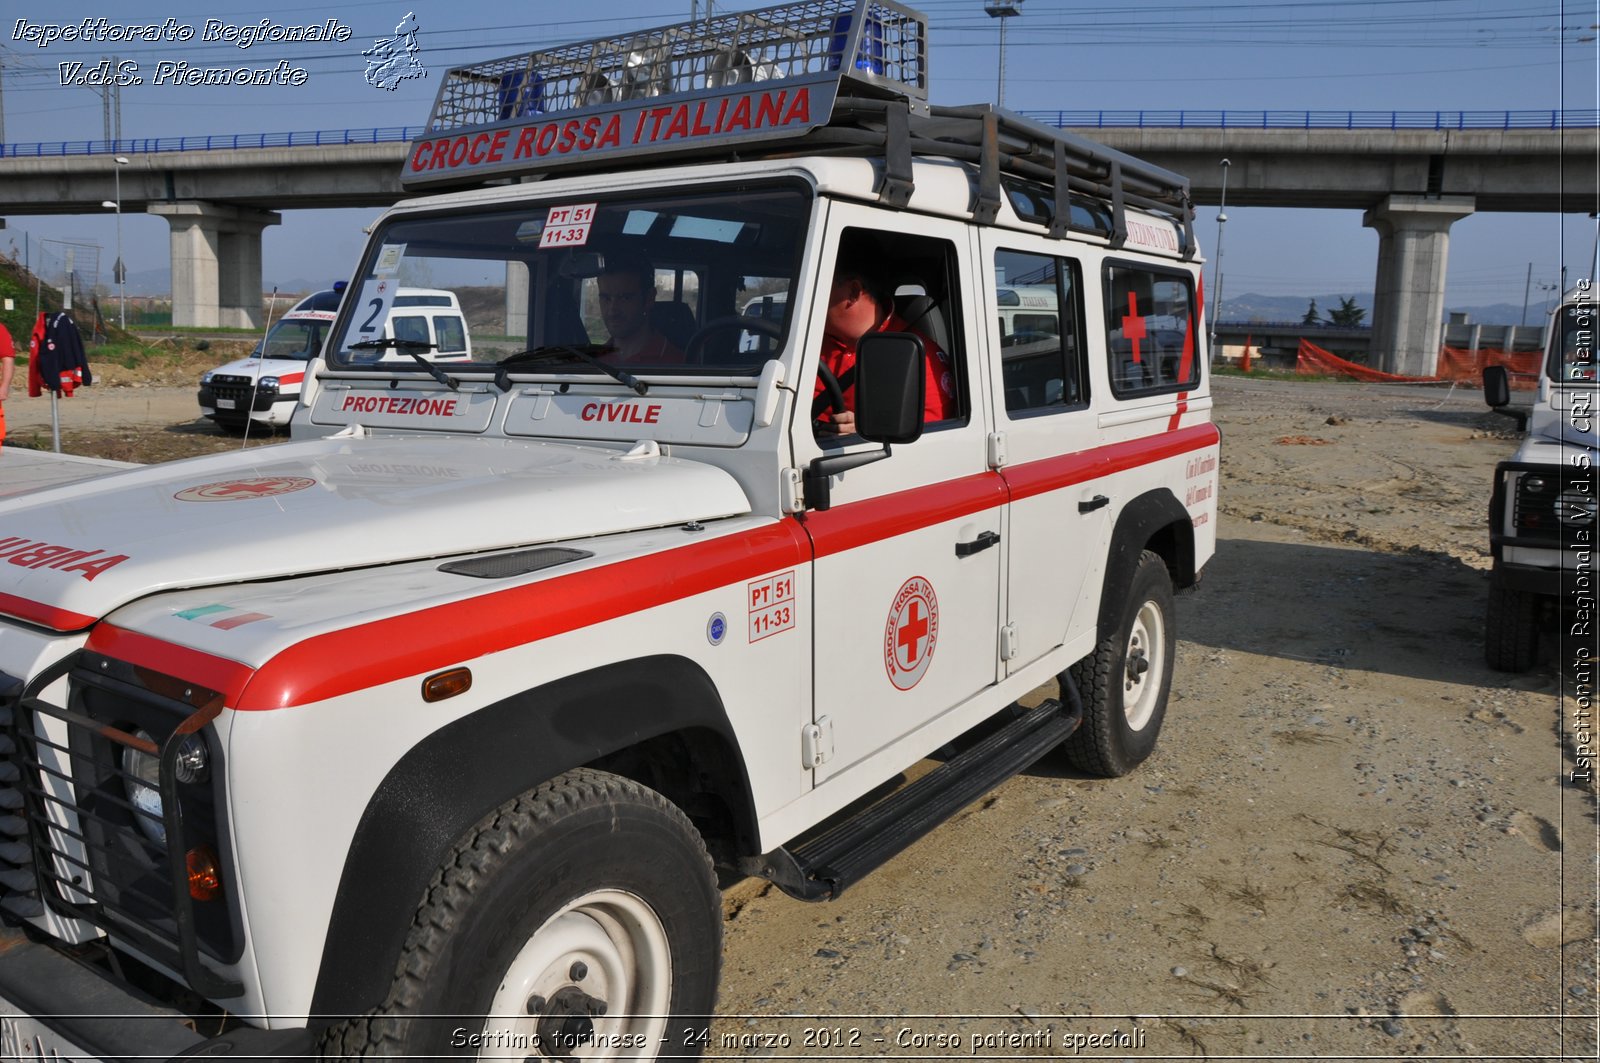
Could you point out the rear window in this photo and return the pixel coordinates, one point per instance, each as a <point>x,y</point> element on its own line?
<point>1150,326</point>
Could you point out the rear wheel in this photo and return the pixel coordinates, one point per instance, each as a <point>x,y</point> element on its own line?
<point>1124,683</point>
<point>579,921</point>
<point>1511,631</point>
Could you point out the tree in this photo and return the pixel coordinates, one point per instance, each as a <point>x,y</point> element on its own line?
<point>1348,314</point>
<point>1311,317</point>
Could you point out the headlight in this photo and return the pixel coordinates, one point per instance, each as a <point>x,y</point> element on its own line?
<point>144,790</point>
<point>270,383</point>
<point>144,786</point>
<point>205,378</point>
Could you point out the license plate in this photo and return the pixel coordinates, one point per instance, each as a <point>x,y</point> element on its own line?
<point>23,1037</point>
<point>226,404</point>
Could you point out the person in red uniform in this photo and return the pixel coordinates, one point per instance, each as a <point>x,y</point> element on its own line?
<point>857,305</point>
<point>8,364</point>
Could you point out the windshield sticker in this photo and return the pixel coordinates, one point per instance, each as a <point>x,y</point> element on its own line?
<point>235,490</point>
<point>568,226</point>
<point>771,605</point>
<point>388,264</point>
<point>226,617</point>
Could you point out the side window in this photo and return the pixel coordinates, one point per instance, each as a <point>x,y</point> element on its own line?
<point>1150,331</point>
<point>410,327</point>
<point>891,282</point>
<point>1041,360</point>
<point>452,334</point>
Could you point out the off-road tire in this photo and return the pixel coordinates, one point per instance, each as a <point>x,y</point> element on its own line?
<point>512,878</point>
<point>1108,743</point>
<point>1511,630</point>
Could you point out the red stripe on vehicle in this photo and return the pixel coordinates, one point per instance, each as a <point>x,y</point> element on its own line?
<point>226,677</point>
<point>1051,474</point>
<point>369,655</point>
<point>290,378</point>
<point>44,615</point>
<point>383,651</point>
<point>873,520</point>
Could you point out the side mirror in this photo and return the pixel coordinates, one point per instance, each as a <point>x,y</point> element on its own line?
<point>891,381</point>
<point>1496,386</point>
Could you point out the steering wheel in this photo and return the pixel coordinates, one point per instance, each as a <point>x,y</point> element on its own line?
<point>830,401</point>
<point>725,324</point>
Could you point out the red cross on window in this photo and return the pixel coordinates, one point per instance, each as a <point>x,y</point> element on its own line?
<point>1133,325</point>
<point>912,632</point>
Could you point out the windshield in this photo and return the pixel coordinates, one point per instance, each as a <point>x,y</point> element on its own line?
<point>1572,346</point>
<point>655,283</point>
<point>293,339</point>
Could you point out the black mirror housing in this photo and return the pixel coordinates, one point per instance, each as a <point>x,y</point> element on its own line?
<point>891,385</point>
<point>1496,386</point>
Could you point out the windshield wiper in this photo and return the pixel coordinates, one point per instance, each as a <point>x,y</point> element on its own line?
<point>414,349</point>
<point>567,352</point>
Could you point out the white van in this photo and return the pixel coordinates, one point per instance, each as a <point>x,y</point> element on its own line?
<point>265,387</point>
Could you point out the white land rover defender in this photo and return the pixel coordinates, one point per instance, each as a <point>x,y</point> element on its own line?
<point>429,731</point>
<point>1542,511</point>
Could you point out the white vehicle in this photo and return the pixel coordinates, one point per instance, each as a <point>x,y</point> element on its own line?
<point>266,386</point>
<point>457,703</point>
<point>1542,511</point>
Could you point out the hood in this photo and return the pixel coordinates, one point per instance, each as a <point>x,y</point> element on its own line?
<point>1557,420</point>
<point>286,370</point>
<point>71,554</point>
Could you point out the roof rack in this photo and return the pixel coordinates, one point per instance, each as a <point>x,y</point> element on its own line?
<point>812,77</point>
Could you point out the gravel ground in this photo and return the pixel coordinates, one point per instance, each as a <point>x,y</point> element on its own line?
<point>1354,840</point>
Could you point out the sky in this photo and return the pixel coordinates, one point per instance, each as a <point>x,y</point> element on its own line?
<point>1491,55</point>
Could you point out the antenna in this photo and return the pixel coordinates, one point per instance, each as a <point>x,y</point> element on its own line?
<point>261,359</point>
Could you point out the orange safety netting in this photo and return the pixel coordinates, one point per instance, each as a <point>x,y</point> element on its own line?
<point>1455,364</point>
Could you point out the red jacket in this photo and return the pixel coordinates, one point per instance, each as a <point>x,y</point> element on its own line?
<point>939,394</point>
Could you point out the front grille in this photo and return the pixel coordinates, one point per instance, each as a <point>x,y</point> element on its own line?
<point>239,389</point>
<point>1554,504</point>
<point>95,853</point>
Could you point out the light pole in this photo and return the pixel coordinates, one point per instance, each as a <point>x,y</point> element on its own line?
<point>119,272</point>
<point>1216,269</point>
<point>1002,10</point>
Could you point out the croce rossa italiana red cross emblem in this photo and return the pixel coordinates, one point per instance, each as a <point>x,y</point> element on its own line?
<point>911,634</point>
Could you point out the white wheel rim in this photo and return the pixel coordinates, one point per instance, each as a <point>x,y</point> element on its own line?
<point>1141,685</point>
<point>608,946</point>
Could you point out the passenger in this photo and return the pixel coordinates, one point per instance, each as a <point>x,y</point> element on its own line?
<point>857,305</point>
<point>627,292</point>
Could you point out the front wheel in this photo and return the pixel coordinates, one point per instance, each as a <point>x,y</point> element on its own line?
<point>1511,630</point>
<point>1125,681</point>
<point>578,921</point>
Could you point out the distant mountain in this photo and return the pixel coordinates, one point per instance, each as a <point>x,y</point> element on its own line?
<point>1253,307</point>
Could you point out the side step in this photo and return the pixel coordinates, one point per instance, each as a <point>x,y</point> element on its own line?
<point>820,867</point>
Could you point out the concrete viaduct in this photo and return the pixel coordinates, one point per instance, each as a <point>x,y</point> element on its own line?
<point>1413,184</point>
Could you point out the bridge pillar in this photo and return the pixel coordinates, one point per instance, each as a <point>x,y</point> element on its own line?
<point>216,263</point>
<point>1408,297</point>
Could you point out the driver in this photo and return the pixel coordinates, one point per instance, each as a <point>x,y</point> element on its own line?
<point>627,292</point>
<point>858,304</point>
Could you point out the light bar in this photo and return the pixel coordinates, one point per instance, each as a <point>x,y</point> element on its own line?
<point>734,77</point>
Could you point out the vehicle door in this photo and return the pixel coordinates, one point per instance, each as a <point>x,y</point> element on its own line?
<point>1057,519</point>
<point>906,573</point>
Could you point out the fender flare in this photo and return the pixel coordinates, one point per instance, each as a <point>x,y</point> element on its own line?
<point>466,769</point>
<point>1142,520</point>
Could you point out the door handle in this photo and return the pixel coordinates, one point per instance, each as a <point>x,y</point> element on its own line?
<point>982,542</point>
<point>1093,504</point>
